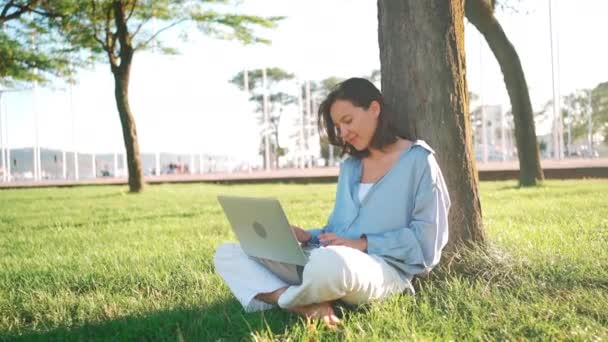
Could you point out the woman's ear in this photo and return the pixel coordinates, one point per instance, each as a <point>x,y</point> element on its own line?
<point>374,109</point>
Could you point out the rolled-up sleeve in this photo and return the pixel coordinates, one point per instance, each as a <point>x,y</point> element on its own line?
<point>418,246</point>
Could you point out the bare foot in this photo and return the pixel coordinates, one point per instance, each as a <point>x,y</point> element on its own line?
<point>322,311</point>
<point>271,297</point>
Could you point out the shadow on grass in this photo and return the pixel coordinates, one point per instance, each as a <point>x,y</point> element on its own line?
<point>517,186</point>
<point>510,187</point>
<point>224,320</point>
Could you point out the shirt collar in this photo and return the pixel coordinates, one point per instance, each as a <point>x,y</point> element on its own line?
<point>424,145</point>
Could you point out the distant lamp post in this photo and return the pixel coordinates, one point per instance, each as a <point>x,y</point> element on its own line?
<point>308,105</point>
<point>558,129</point>
<point>115,165</point>
<point>266,130</point>
<point>590,126</point>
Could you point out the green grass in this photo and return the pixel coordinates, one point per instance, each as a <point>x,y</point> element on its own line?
<point>97,263</point>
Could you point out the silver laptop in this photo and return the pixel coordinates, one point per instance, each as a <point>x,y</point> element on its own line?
<point>262,229</point>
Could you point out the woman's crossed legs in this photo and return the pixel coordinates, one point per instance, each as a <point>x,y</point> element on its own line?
<point>332,273</point>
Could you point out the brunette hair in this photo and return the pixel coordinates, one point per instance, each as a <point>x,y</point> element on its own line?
<point>361,93</point>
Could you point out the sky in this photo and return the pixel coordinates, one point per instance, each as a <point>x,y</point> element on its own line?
<point>185,103</point>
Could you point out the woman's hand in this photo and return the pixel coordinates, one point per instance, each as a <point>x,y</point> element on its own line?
<point>302,235</point>
<point>331,239</point>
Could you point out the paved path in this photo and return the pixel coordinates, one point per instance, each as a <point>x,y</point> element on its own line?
<point>564,169</point>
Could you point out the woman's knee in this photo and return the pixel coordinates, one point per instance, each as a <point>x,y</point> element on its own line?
<point>326,263</point>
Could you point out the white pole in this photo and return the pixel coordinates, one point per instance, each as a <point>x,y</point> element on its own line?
<point>314,133</point>
<point>246,88</point>
<point>94,165</point>
<point>557,136</point>
<point>64,165</point>
<point>558,85</point>
<point>64,161</point>
<point>590,128</point>
<point>302,127</point>
<point>7,146</point>
<point>569,142</point>
<point>37,168</point>
<point>503,133</point>
<point>115,165</point>
<point>308,114</point>
<point>157,163</point>
<point>4,159</point>
<point>4,163</point>
<point>191,168</point>
<point>125,168</point>
<point>73,115</point>
<point>76,166</point>
<point>484,133</point>
<point>266,129</point>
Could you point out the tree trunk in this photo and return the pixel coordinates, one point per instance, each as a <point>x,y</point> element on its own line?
<point>423,80</point>
<point>481,14</point>
<point>129,131</point>
<point>122,73</point>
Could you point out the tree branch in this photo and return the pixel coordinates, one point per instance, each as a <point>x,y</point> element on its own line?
<point>5,9</point>
<point>131,10</point>
<point>122,33</point>
<point>48,14</point>
<point>144,44</point>
<point>94,24</point>
<point>109,44</point>
<point>138,28</point>
<point>22,9</point>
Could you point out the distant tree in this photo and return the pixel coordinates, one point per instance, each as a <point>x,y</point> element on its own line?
<point>575,113</point>
<point>599,105</point>
<point>114,30</point>
<point>277,151</point>
<point>575,110</point>
<point>481,14</point>
<point>422,60</point>
<point>277,99</point>
<point>320,90</point>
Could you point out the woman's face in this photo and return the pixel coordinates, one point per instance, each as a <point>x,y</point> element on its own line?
<point>356,125</point>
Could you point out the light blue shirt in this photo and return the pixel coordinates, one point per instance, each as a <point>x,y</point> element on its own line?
<point>404,215</point>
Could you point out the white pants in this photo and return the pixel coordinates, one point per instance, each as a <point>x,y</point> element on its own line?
<point>334,272</point>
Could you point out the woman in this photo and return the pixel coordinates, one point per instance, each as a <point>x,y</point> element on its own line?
<point>389,222</point>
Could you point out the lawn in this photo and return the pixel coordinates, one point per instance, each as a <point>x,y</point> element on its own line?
<point>97,263</point>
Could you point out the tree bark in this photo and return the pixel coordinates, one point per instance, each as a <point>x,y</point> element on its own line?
<point>129,131</point>
<point>480,13</point>
<point>423,79</point>
<point>122,73</point>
